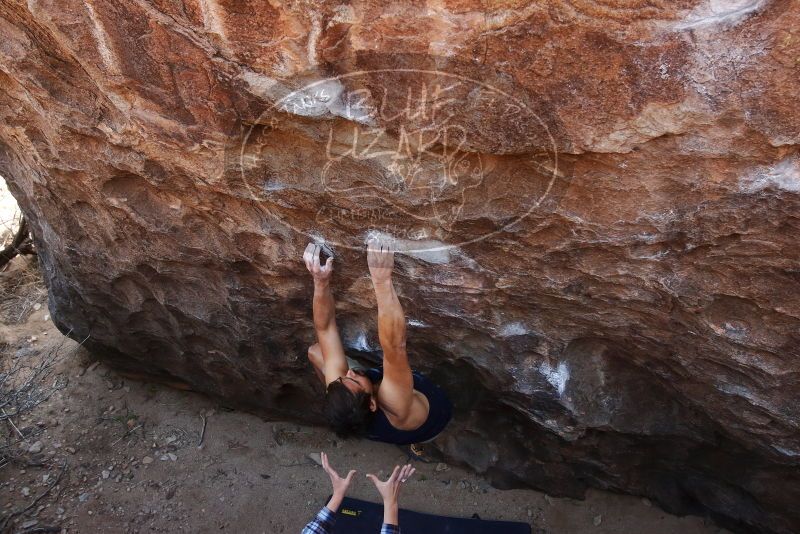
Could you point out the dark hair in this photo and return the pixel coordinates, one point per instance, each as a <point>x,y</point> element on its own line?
<point>348,413</point>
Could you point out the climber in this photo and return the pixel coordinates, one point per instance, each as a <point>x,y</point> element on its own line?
<point>390,404</point>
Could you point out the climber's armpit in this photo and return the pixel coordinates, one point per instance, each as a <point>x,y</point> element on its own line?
<point>335,362</point>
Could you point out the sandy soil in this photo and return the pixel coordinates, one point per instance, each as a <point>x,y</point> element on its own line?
<point>133,464</point>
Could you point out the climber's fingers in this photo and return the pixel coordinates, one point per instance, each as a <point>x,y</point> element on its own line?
<point>379,248</point>
<point>373,245</point>
<point>308,255</point>
<point>315,258</point>
<point>311,259</point>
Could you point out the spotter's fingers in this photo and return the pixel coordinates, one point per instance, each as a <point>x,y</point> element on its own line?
<point>324,458</point>
<point>395,474</point>
<point>407,472</point>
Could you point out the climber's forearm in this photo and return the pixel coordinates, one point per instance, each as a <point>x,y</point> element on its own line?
<point>391,319</point>
<point>334,362</point>
<point>397,387</point>
<point>324,306</point>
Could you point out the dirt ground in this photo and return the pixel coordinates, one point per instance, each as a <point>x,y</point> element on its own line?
<point>108,454</point>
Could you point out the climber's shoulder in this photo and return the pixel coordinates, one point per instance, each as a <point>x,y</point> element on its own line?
<point>407,415</point>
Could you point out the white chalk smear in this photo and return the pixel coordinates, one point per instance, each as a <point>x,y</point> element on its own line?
<point>717,12</point>
<point>328,98</point>
<point>259,84</point>
<point>513,329</point>
<point>557,377</point>
<point>361,343</point>
<point>416,322</point>
<point>317,238</point>
<point>786,452</point>
<point>274,186</point>
<point>427,250</point>
<point>783,175</point>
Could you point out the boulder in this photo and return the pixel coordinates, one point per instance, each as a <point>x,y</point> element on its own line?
<point>597,206</point>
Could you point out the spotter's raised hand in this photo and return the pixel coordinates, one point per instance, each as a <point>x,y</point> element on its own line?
<point>390,488</point>
<point>338,483</point>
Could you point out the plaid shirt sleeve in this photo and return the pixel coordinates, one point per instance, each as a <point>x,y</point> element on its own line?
<point>390,529</point>
<point>322,524</point>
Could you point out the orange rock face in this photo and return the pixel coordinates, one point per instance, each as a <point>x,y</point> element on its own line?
<point>598,205</point>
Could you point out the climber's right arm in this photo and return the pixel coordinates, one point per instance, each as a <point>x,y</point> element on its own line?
<point>324,307</point>
<point>397,388</point>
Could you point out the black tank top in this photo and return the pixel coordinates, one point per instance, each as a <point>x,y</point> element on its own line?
<point>439,414</point>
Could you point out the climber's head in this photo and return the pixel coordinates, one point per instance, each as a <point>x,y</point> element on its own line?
<point>350,404</point>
